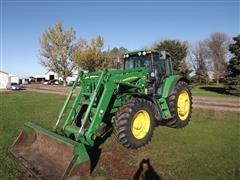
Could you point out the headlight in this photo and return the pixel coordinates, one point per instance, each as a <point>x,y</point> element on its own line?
<point>139,53</point>
<point>144,53</point>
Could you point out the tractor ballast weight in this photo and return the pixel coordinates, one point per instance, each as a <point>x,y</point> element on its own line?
<point>130,100</point>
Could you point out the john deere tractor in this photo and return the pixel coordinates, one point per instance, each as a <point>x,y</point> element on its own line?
<point>131,101</point>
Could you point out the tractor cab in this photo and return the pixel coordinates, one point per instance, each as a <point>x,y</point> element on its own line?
<point>158,63</point>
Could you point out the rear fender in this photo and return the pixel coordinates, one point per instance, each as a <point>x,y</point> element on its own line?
<point>169,84</point>
<point>167,87</point>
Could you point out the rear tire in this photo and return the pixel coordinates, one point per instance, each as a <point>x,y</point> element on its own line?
<point>180,104</point>
<point>134,124</point>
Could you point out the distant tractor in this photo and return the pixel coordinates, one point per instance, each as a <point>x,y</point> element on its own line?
<point>131,101</point>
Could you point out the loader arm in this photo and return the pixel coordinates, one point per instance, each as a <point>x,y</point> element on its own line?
<point>96,92</point>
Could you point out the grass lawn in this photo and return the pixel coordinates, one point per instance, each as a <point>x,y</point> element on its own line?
<point>208,148</point>
<point>210,91</point>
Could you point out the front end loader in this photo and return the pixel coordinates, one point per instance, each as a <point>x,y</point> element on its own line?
<point>131,101</point>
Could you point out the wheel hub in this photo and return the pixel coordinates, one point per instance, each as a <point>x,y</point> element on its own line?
<point>140,124</point>
<point>183,105</point>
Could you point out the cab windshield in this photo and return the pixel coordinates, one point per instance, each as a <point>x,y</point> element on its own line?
<point>138,61</point>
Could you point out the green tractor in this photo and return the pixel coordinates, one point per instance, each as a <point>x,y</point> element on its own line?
<point>131,101</point>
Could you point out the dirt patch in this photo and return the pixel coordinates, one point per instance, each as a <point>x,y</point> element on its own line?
<point>25,176</point>
<point>113,164</point>
<point>54,88</point>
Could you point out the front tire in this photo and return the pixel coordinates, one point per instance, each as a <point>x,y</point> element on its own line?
<point>180,104</point>
<point>135,123</point>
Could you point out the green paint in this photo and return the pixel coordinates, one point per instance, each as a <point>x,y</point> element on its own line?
<point>167,85</point>
<point>165,92</point>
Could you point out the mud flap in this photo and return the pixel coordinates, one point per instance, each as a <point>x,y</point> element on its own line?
<point>47,155</point>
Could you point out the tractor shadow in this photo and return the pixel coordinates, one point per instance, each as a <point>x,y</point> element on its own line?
<point>95,151</point>
<point>218,90</point>
<point>146,171</point>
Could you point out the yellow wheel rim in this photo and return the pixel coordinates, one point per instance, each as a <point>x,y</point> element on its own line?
<point>183,105</point>
<point>140,124</point>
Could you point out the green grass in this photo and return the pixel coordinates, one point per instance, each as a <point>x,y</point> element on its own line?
<point>210,91</point>
<point>208,148</point>
<point>16,109</point>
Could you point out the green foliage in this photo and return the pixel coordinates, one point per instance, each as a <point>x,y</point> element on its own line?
<point>232,84</point>
<point>178,51</point>
<point>56,50</point>
<point>89,55</point>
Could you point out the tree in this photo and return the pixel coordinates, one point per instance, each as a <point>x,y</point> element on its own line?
<point>232,84</point>
<point>89,55</point>
<point>56,50</point>
<point>178,51</point>
<point>115,57</point>
<point>218,45</point>
<point>199,55</point>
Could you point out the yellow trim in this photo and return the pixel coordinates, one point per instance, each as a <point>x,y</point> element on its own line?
<point>130,78</point>
<point>140,124</point>
<point>183,105</point>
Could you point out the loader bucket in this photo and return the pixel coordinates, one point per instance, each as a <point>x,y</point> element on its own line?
<point>47,155</point>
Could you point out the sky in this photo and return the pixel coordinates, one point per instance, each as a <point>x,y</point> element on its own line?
<point>133,24</point>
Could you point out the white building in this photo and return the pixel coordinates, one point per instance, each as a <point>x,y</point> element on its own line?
<point>73,77</point>
<point>6,79</point>
<point>50,75</point>
<point>13,78</point>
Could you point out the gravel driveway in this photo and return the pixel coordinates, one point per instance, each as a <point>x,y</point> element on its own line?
<point>223,104</point>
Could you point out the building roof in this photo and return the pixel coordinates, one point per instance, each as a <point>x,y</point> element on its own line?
<point>4,72</point>
<point>12,75</point>
<point>9,74</point>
